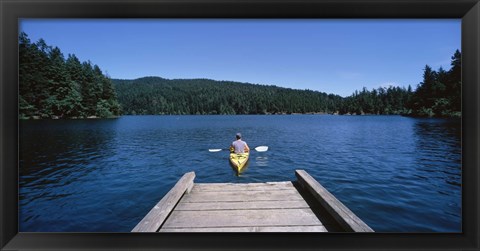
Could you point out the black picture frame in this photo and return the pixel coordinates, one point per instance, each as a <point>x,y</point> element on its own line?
<point>12,10</point>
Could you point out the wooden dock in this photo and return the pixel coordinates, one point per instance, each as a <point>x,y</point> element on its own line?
<point>300,206</point>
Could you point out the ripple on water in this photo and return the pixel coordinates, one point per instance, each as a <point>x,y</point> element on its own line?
<point>397,174</point>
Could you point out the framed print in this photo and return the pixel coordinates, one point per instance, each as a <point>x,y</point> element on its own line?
<point>262,125</point>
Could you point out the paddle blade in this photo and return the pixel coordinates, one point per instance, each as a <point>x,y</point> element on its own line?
<point>261,148</point>
<point>214,150</point>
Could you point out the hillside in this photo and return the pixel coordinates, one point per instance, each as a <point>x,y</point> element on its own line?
<point>155,95</point>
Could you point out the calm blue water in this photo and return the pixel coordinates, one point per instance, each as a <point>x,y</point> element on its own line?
<point>398,174</point>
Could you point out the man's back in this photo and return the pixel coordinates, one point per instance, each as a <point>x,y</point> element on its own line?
<point>239,146</point>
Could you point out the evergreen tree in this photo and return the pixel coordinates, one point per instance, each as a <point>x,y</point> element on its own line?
<point>28,56</point>
<point>439,94</point>
<point>52,87</point>
<point>454,83</point>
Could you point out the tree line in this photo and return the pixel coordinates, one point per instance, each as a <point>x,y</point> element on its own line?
<point>54,87</point>
<point>154,95</point>
<point>438,95</point>
<point>440,92</point>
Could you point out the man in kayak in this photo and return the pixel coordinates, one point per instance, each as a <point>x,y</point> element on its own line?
<point>239,146</point>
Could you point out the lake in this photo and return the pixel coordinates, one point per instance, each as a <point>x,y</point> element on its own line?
<point>398,174</point>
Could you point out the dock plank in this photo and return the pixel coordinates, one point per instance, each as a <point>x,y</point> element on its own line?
<point>248,229</point>
<point>243,205</point>
<point>217,196</point>
<point>243,186</point>
<point>242,218</point>
<point>337,209</point>
<point>159,213</point>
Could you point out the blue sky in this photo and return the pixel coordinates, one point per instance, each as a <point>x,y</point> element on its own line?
<point>328,55</point>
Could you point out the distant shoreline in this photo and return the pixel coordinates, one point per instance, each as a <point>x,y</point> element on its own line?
<point>271,114</point>
<point>72,118</point>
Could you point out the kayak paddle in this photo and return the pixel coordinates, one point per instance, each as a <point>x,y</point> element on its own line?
<point>215,150</point>
<point>258,149</point>
<point>261,148</point>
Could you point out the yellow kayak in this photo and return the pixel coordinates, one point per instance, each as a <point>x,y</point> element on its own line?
<point>238,161</point>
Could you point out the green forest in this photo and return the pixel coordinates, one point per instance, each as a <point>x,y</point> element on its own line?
<point>54,87</point>
<point>154,95</point>
<point>438,95</point>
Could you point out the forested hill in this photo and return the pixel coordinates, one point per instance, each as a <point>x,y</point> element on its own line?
<point>155,95</point>
<point>438,95</point>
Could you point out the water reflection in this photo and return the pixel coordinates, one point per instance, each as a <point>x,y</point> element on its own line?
<point>53,150</point>
<point>438,149</point>
<point>261,161</point>
<point>60,157</point>
<point>438,165</point>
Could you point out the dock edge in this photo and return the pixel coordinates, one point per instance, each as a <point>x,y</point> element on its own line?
<point>159,213</point>
<point>344,216</point>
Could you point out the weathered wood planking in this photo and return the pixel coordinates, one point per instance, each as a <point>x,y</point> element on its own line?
<point>239,205</point>
<point>157,215</point>
<point>249,229</point>
<point>249,207</point>
<point>242,218</point>
<point>344,216</point>
<point>218,196</point>
<point>243,186</point>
